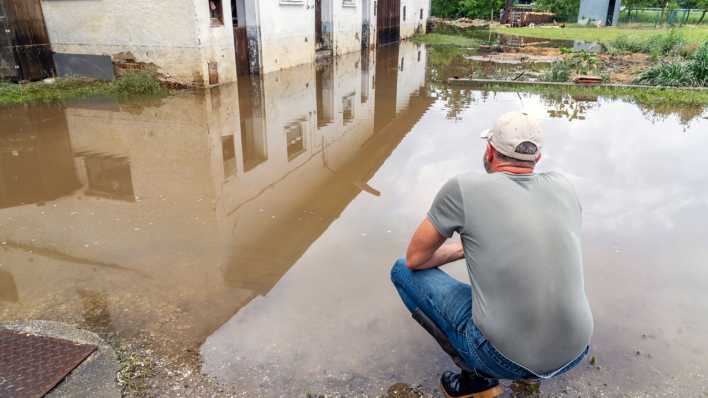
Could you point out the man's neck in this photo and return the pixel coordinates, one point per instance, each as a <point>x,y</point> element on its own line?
<point>507,168</point>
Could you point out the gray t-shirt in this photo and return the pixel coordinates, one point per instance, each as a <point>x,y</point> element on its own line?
<point>521,237</point>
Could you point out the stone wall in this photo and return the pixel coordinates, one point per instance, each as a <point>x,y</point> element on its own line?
<point>176,36</point>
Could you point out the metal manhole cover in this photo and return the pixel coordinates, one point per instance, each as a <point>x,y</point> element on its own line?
<point>30,366</point>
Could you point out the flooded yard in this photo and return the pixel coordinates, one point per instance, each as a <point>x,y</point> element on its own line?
<point>238,241</point>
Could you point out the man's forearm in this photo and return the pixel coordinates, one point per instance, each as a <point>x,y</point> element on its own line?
<point>445,254</point>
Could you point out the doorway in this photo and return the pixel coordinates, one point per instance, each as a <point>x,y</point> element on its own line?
<point>610,13</point>
<point>323,25</point>
<point>365,24</point>
<point>238,16</point>
<point>388,21</point>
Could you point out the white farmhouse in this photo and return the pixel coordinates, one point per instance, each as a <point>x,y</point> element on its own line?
<point>209,42</point>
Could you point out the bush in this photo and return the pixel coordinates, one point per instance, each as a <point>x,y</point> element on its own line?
<point>692,72</point>
<point>139,84</point>
<point>574,63</point>
<point>559,72</point>
<point>671,43</point>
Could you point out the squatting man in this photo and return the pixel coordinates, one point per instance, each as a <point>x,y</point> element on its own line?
<point>524,315</point>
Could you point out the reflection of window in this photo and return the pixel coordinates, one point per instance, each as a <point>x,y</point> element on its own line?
<point>291,2</point>
<point>295,137</point>
<point>404,13</point>
<point>348,108</point>
<point>228,153</point>
<point>403,62</point>
<point>109,177</point>
<point>216,12</point>
<point>421,13</point>
<point>418,55</point>
<point>348,3</point>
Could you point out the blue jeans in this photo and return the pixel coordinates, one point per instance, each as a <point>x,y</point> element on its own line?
<point>448,303</point>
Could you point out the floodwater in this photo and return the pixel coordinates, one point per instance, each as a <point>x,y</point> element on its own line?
<point>246,233</point>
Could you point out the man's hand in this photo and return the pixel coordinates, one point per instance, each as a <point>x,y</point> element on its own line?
<point>425,250</point>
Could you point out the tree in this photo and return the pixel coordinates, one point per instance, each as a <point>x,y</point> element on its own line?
<point>565,10</point>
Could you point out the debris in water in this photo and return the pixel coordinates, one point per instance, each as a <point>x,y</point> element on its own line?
<point>593,360</point>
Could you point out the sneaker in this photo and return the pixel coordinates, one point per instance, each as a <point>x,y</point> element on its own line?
<point>466,385</point>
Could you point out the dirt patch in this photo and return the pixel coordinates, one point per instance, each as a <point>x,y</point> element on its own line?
<point>624,68</point>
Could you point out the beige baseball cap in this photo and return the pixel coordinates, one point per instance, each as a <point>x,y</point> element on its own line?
<point>512,129</point>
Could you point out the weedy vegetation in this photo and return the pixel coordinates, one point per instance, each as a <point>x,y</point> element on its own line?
<point>138,84</point>
<point>689,72</point>
<point>575,63</point>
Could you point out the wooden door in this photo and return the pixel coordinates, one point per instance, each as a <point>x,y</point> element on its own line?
<point>319,41</point>
<point>31,47</point>
<point>388,21</point>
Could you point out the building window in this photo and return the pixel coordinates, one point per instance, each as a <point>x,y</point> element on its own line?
<point>404,13</point>
<point>375,6</point>
<point>291,2</point>
<point>216,12</point>
<point>348,3</point>
<point>421,13</point>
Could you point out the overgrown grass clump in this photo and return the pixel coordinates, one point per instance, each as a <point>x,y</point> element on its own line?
<point>575,63</point>
<point>138,84</point>
<point>692,71</point>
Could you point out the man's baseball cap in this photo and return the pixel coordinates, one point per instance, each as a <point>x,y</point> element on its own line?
<point>511,130</point>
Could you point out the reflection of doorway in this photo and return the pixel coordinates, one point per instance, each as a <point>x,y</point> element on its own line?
<point>238,16</point>
<point>324,81</point>
<point>254,142</point>
<point>610,13</point>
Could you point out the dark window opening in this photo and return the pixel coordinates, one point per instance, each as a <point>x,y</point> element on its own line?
<point>421,13</point>
<point>404,13</point>
<point>418,55</point>
<point>216,12</point>
<point>374,8</point>
<point>295,137</point>
<point>403,63</point>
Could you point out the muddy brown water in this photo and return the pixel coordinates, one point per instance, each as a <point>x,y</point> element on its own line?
<point>254,227</point>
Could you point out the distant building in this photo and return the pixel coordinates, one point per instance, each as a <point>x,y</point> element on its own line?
<point>606,12</point>
<point>208,42</point>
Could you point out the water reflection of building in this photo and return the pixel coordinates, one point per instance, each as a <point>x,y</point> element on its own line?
<point>207,199</point>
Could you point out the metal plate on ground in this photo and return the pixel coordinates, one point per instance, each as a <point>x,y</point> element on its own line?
<point>30,366</point>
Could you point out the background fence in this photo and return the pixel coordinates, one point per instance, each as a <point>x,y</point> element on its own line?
<point>659,16</point>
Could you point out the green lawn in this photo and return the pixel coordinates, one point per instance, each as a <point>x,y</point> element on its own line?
<point>440,39</point>
<point>694,33</point>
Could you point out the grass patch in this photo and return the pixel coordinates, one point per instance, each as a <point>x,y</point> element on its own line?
<point>694,34</point>
<point>440,39</point>
<point>139,84</point>
<point>678,72</point>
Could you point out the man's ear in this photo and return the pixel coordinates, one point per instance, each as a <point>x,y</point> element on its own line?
<point>489,154</point>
